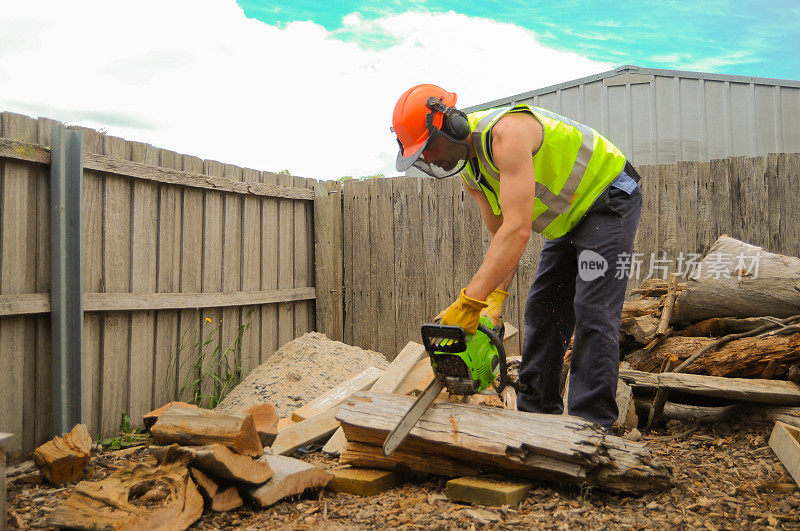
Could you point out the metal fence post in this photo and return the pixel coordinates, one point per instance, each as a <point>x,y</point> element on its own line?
<point>66,295</point>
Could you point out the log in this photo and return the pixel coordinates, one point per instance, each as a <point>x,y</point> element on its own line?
<point>62,459</point>
<point>292,476</point>
<point>742,389</point>
<point>217,461</point>
<point>148,419</point>
<point>721,326</point>
<point>747,357</point>
<point>766,288</point>
<point>137,497</point>
<point>654,287</point>
<point>488,440</point>
<point>669,304</point>
<point>217,499</point>
<point>336,396</point>
<point>199,427</point>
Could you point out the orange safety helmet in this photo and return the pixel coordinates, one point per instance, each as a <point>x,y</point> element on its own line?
<point>416,123</point>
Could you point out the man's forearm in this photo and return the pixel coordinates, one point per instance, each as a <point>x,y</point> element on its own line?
<point>499,264</point>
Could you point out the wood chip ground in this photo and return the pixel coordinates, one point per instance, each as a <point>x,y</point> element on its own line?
<point>728,477</point>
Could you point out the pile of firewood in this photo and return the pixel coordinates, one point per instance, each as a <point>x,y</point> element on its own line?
<point>204,458</point>
<point>737,317</point>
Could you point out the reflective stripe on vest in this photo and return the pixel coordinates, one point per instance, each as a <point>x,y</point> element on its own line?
<point>556,203</point>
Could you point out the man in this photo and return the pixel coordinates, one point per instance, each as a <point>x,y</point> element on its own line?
<point>530,169</point>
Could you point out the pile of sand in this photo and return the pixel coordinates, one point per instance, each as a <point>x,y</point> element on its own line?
<point>300,371</point>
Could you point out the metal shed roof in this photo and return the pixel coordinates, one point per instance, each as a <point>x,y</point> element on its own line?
<point>662,116</point>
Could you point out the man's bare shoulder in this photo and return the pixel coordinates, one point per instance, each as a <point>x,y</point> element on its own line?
<point>518,127</point>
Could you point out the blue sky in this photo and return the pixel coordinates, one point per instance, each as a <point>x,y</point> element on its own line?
<point>727,37</point>
<point>309,87</point>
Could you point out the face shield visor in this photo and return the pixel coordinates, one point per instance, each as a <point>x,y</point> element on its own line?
<point>441,156</point>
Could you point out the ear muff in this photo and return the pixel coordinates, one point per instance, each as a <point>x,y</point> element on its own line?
<point>454,122</point>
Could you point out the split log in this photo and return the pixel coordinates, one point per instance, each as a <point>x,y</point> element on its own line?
<point>62,459</point>
<point>785,442</point>
<point>639,307</point>
<point>218,499</point>
<point>148,419</point>
<point>757,283</point>
<point>198,427</point>
<point>547,447</point>
<point>337,395</point>
<point>265,417</point>
<point>742,389</point>
<point>747,357</point>
<point>643,328</point>
<point>292,476</point>
<point>669,305</point>
<point>217,461</point>
<point>139,497</point>
<point>721,326</point>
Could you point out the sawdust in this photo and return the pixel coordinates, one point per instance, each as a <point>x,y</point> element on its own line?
<point>299,372</point>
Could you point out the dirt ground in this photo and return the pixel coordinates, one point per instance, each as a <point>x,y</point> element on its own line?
<point>727,477</point>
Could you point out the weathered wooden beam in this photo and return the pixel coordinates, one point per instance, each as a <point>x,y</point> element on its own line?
<point>743,389</point>
<point>15,149</point>
<point>489,440</point>
<point>33,303</point>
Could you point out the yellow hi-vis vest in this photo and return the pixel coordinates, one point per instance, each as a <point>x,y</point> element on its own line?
<point>572,167</point>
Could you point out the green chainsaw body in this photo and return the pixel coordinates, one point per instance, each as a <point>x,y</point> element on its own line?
<point>466,364</point>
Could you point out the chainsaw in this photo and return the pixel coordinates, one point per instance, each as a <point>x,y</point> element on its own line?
<point>463,364</point>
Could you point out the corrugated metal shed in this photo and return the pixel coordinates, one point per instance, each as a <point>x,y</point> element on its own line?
<point>662,116</point>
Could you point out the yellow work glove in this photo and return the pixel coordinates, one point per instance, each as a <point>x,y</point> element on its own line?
<point>494,310</point>
<point>465,313</point>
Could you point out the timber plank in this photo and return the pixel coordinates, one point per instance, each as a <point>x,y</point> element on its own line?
<point>361,265</point>
<point>487,491</point>
<point>785,442</point>
<point>229,369</point>
<point>381,199</point>
<point>300,259</point>
<point>251,274</point>
<point>191,271</point>
<point>43,428</point>
<point>328,254</point>
<point>29,151</point>
<point>212,349</point>
<point>363,481</point>
<point>744,389</point>
<point>307,431</point>
<point>389,382</point>
<point>269,270</point>
<point>546,447</point>
<point>92,237</point>
<point>285,244</point>
<point>116,278</point>
<point>144,245</point>
<point>165,374</point>
<point>18,275</point>
<point>338,394</point>
<point>348,200</point>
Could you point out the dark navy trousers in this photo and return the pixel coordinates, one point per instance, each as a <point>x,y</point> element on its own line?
<point>570,293</point>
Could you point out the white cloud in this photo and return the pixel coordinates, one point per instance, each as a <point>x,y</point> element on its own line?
<point>201,78</point>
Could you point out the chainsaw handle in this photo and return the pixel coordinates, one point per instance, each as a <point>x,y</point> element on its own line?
<point>501,351</point>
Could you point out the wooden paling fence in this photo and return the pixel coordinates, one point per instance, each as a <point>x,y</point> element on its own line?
<point>181,256</point>
<point>410,244</point>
